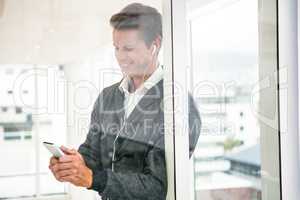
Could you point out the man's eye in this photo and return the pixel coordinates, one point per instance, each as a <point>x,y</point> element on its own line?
<point>128,49</point>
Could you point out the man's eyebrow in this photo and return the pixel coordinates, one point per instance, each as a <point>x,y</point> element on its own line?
<point>127,45</point>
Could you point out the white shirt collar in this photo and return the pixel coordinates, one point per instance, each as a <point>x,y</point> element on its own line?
<point>155,77</point>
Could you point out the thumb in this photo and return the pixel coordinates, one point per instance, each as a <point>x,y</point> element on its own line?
<point>68,151</point>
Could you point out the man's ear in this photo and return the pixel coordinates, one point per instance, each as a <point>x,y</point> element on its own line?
<point>158,42</point>
<point>156,45</point>
<point>154,49</point>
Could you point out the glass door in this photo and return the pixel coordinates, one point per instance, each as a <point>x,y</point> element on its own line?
<point>232,51</point>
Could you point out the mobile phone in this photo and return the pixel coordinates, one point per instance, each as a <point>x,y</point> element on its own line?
<point>54,149</point>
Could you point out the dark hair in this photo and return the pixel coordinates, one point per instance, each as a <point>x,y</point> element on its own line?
<point>141,17</point>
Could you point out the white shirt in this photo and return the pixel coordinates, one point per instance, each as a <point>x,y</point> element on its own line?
<point>132,99</point>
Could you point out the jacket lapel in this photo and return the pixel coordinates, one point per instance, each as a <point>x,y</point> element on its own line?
<point>141,112</point>
<point>154,95</point>
<point>119,105</point>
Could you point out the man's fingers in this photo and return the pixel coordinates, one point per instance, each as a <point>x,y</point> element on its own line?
<point>55,175</point>
<point>62,166</point>
<point>53,160</point>
<point>68,151</point>
<point>60,175</point>
<point>65,173</point>
<point>67,158</point>
<point>69,178</point>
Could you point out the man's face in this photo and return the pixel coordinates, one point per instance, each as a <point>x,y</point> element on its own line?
<point>132,53</point>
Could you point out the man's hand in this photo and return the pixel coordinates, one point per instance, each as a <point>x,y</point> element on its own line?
<point>71,168</point>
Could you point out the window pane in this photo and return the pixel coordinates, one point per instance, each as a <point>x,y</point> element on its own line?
<point>51,122</point>
<point>16,132</point>
<point>8,186</point>
<point>224,75</point>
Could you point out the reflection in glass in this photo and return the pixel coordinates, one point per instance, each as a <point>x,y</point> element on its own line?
<point>227,163</point>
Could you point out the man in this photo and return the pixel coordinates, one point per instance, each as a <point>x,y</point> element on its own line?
<point>123,157</point>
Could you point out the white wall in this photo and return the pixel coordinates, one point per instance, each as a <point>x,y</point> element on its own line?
<point>55,31</point>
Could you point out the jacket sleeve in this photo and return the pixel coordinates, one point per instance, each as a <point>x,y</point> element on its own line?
<point>90,150</point>
<point>150,184</point>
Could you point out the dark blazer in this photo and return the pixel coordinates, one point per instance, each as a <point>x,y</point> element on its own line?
<point>139,158</point>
